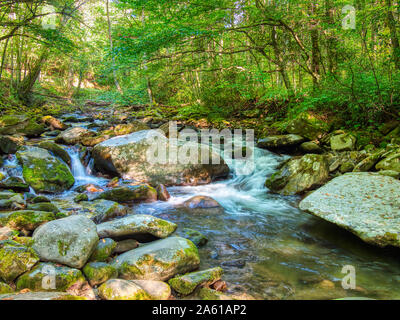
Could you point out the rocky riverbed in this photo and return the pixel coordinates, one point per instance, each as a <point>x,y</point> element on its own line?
<point>84,216</point>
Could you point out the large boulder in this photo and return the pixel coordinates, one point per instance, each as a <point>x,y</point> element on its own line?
<point>44,172</point>
<point>128,156</point>
<point>299,175</point>
<point>56,150</point>
<point>136,225</point>
<point>158,260</point>
<point>366,204</point>
<point>308,127</point>
<point>20,124</point>
<point>138,193</point>
<point>15,259</point>
<point>74,135</point>
<point>27,220</point>
<point>15,184</point>
<point>69,241</point>
<point>281,141</point>
<point>343,142</point>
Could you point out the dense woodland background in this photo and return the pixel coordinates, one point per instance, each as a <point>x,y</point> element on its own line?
<point>205,59</point>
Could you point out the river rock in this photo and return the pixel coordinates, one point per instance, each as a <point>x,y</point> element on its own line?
<point>117,289</point>
<point>27,220</point>
<point>40,296</point>
<point>281,141</point>
<point>43,206</point>
<point>187,283</point>
<point>202,204</point>
<point>44,172</point>
<point>104,250</point>
<point>390,173</point>
<point>99,272</point>
<point>299,175</point>
<point>50,277</point>
<point>69,241</point>
<point>307,127</point>
<point>128,157</point>
<point>343,142</point>
<point>74,135</point>
<point>158,260</point>
<point>15,184</point>
<point>54,123</point>
<point>138,193</point>
<point>311,147</point>
<point>10,144</point>
<point>392,162</point>
<point>366,204</point>
<point>56,150</point>
<point>126,245</point>
<point>14,202</point>
<point>15,259</point>
<point>162,193</point>
<point>158,290</point>
<point>136,225</point>
<point>20,124</point>
<point>195,236</point>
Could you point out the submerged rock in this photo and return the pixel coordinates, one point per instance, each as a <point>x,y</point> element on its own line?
<point>136,225</point>
<point>187,283</point>
<point>15,259</point>
<point>69,241</point>
<point>132,157</point>
<point>366,204</point>
<point>138,193</point>
<point>158,260</point>
<point>44,172</point>
<point>281,141</point>
<point>299,175</point>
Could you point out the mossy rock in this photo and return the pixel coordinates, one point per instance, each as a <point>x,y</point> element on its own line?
<point>104,250</point>
<point>25,219</point>
<point>50,277</point>
<point>209,294</point>
<point>308,127</point>
<point>187,283</point>
<point>10,144</point>
<point>195,236</point>
<point>99,272</point>
<point>33,129</point>
<point>43,206</point>
<point>343,142</point>
<point>81,197</point>
<point>15,259</point>
<point>56,150</point>
<point>15,184</point>
<point>40,199</point>
<point>44,172</point>
<point>392,162</point>
<point>14,202</point>
<point>117,289</point>
<point>136,193</point>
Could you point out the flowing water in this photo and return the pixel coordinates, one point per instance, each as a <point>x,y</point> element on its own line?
<point>266,245</point>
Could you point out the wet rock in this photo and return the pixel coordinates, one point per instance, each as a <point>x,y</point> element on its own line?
<point>99,272</point>
<point>15,259</point>
<point>69,241</point>
<point>40,296</point>
<point>20,124</point>
<point>15,184</point>
<point>136,193</point>
<point>5,288</point>
<point>10,144</point>
<point>53,123</point>
<point>299,175</point>
<point>307,127</point>
<point>104,250</point>
<point>14,202</point>
<point>126,245</point>
<point>27,220</point>
<point>74,135</point>
<point>195,236</point>
<point>311,147</point>
<point>131,157</point>
<point>187,283</point>
<point>157,290</point>
<point>56,150</point>
<point>392,162</point>
<point>50,277</point>
<point>346,167</point>
<point>343,142</point>
<point>43,206</point>
<point>162,193</point>
<point>281,141</point>
<point>203,204</point>
<point>390,173</point>
<point>117,289</point>
<point>40,199</point>
<point>136,225</point>
<point>158,260</point>
<point>369,162</point>
<point>81,197</point>
<point>44,172</point>
<point>366,204</point>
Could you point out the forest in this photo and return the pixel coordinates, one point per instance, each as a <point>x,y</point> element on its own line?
<point>310,208</point>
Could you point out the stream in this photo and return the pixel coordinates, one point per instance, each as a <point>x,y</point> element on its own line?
<point>266,246</point>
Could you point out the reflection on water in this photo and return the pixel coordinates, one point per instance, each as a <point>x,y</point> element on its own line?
<point>274,250</point>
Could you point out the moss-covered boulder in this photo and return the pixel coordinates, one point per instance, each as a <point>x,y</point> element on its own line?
<point>40,199</point>
<point>15,259</point>
<point>14,202</point>
<point>299,175</point>
<point>99,272</point>
<point>27,220</point>
<point>281,141</point>
<point>195,236</point>
<point>187,283</point>
<point>158,260</point>
<point>133,157</point>
<point>44,172</point>
<point>50,277</point>
<point>10,144</point>
<point>5,288</point>
<point>369,162</point>
<point>392,162</point>
<point>43,206</point>
<point>20,124</point>
<point>15,184</point>
<point>74,135</point>
<point>70,241</point>
<point>367,204</point>
<point>136,225</point>
<point>117,289</point>
<point>138,193</point>
<point>343,142</point>
<point>33,129</point>
<point>104,250</point>
<point>56,150</point>
<point>308,127</point>
<point>311,147</point>
<point>29,296</point>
